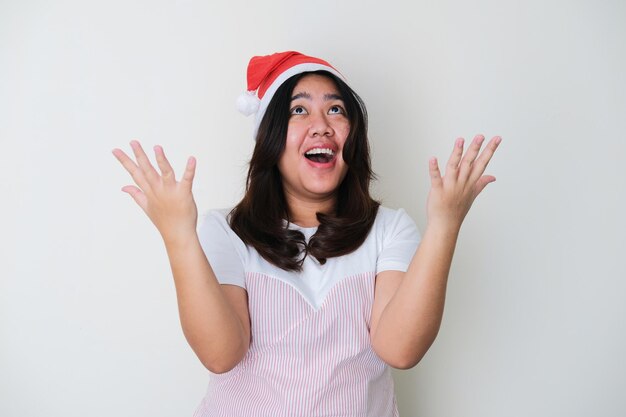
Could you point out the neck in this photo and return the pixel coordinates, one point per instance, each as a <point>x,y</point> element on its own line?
<point>304,212</point>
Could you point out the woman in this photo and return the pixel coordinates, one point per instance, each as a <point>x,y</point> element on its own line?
<point>301,298</point>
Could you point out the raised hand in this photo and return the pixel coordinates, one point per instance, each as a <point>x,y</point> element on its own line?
<point>168,203</point>
<point>452,195</point>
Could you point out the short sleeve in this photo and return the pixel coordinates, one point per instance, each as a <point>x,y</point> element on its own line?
<point>399,241</point>
<point>223,248</point>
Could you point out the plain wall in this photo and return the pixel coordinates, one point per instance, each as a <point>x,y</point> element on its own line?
<point>535,316</point>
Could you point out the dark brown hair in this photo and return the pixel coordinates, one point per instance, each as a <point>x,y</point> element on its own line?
<point>261,218</point>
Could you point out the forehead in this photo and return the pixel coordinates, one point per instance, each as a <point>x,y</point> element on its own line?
<point>312,83</point>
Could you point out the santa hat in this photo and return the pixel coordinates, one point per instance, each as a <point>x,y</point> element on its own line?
<point>267,73</point>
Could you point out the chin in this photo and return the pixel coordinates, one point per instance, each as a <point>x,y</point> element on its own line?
<point>324,190</point>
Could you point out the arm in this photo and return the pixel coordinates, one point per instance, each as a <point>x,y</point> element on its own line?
<point>408,307</point>
<point>214,317</point>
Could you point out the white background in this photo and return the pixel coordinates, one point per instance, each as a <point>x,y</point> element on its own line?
<point>535,320</point>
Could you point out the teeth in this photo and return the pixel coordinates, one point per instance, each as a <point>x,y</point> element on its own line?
<point>318,151</point>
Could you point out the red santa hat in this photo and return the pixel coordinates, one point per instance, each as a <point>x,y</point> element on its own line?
<point>267,73</point>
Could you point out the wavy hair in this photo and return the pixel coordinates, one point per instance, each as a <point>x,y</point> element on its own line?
<point>261,217</point>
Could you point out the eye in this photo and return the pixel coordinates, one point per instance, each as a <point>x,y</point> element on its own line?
<point>336,110</point>
<point>298,110</point>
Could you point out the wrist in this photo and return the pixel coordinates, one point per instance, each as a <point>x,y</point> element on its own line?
<point>181,238</point>
<point>443,228</point>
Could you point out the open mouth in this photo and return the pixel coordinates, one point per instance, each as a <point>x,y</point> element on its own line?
<point>320,155</point>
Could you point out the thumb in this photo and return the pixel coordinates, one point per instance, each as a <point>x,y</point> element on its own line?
<point>482,183</point>
<point>137,195</point>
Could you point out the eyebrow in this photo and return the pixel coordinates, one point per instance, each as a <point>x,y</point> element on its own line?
<point>301,95</point>
<point>327,97</point>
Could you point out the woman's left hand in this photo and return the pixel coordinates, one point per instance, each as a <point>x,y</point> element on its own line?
<point>452,195</point>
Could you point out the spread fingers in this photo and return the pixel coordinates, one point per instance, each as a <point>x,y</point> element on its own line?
<point>129,165</point>
<point>480,164</point>
<point>143,162</point>
<point>470,156</point>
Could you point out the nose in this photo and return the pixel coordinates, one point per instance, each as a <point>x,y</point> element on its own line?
<point>320,126</point>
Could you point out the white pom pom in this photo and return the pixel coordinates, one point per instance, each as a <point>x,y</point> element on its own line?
<point>248,103</point>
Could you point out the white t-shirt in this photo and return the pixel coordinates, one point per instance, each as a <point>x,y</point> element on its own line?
<point>310,352</point>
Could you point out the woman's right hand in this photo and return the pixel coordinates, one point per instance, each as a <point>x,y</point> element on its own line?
<point>168,203</point>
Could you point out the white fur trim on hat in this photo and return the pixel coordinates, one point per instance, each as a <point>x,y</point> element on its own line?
<point>248,103</point>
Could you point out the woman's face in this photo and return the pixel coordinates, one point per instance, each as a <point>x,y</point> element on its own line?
<point>312,166</point>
